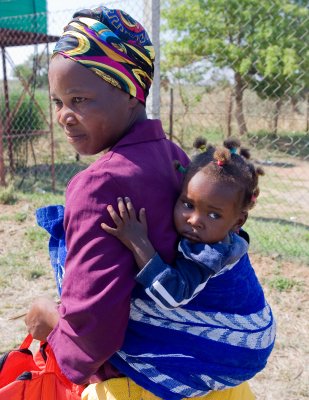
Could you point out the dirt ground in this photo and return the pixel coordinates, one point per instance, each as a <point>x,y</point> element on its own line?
<point>286,376</point>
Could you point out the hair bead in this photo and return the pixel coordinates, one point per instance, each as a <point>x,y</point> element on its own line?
<point>237,168</point>
<point>179,167</point>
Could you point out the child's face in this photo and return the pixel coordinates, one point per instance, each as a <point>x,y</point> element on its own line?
<point>93,114</point>
<point>206,211</point>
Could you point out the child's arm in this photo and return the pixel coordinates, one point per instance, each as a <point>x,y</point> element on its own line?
<point>169,286</point>
<point>132,232</point>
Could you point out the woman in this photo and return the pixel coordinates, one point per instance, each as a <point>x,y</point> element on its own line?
<point>99,77</point>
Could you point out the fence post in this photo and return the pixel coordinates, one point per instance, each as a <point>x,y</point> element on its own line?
<point>152,25</point>
<point>7,125</point>
<point>51,130</point>
<point>171,116</point>
<point>2,166</point>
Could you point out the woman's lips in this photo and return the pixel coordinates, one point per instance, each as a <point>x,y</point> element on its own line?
<point>71,138</point>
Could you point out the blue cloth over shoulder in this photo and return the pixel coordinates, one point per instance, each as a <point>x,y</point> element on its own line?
<point>51,219</point>
<point>220,339</point>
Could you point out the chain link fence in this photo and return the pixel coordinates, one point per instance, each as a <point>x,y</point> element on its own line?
<point>240,69</point>
<point>226,68</point>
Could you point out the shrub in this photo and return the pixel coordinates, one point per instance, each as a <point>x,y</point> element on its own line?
<point>8,195</point>
<point>25,121</point>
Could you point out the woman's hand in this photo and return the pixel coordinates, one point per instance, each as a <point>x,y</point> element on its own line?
<point>42,317</point>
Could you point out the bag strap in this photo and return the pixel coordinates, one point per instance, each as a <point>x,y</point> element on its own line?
<point>51,365</point>
<point>26,342</point>
<point>47,355</point>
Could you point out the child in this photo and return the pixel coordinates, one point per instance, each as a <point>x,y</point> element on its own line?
<point>219,189</point>
<point>224,331</point>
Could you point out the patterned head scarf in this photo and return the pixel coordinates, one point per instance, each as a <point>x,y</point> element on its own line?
<point>112,45</point>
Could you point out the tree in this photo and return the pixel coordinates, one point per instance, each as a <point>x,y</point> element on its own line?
<point>34,70</point>
<point>238,35</point>
<point>280,68</point>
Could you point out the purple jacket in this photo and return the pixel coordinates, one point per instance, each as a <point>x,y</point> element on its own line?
<point>100,271</point>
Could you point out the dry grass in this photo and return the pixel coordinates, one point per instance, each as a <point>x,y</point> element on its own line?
<point>286,376</point>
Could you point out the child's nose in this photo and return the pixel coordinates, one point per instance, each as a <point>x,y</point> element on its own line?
<point>195,221</point>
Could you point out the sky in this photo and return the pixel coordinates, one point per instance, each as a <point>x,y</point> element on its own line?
<point>67,7</point>
<point>60,12</point>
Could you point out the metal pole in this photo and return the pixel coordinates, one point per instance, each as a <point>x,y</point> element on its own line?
<point>2,166</point>
<point>7,125</point>
<point>152,25</point>
<point>171,113</point>
<point>51,128</point>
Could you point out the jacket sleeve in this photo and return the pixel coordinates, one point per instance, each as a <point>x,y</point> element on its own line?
<point>97,285</point>
<point>173,286</point>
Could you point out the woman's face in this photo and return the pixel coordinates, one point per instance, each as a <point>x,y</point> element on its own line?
<point>93,114</point>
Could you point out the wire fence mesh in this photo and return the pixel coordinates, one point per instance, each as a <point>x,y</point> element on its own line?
<point>227,69</point>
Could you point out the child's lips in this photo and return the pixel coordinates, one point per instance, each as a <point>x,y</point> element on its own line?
<point>191,236</point>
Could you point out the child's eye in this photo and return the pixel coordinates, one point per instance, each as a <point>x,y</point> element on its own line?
<point>214,215</point>
<point>78,99</point>
<point>188,205</point>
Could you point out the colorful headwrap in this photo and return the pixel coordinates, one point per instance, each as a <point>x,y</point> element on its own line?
<point>113,45</point>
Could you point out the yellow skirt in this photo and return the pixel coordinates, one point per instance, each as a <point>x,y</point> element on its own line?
<point>126,389</point>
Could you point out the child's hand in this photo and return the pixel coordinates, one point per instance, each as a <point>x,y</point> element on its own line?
<point>128,229</point>
<point>132,232</point>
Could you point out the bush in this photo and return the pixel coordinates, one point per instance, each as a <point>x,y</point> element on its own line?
<point>8,195</point>
<point>25,121</point>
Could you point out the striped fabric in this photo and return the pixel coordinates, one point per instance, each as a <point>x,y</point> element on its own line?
<point>222,338</point>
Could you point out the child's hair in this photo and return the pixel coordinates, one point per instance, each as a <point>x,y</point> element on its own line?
<point>229,163</point>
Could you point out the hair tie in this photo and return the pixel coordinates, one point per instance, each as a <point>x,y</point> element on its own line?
<point>220,163</point>
<point>179,167</point>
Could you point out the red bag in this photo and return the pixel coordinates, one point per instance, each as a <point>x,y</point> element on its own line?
<point>27,377</point>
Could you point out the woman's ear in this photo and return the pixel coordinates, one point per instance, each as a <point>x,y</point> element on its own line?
<point>240,221</point>
<point>133,102</point>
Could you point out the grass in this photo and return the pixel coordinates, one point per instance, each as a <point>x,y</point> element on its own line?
<point>20,216</point>
<point>35,274</point>
<point>36,238</point>
<point>291,143</point>
<point>283,284</point>
<point>8,194</point>
<point>25,259</point>
<point>25,251</point>
<point>285,239</point>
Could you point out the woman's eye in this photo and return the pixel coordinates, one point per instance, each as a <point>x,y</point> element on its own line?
<point>188,205</point>
<point>214,215</point>
<point>57,103</point>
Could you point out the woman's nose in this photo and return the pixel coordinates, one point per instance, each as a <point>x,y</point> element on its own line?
<point>66,117</point>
